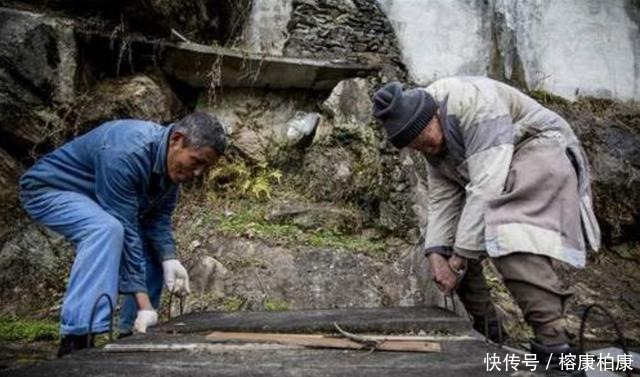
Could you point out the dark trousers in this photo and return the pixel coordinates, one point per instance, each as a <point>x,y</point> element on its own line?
<point>533,283</point>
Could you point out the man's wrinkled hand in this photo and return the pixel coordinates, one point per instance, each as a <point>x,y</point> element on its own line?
<point>458,264</point>
<point>442,273</point>
<point>176,277</point>
<point>145,319</point>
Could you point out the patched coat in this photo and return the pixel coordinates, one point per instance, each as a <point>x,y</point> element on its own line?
<point>513,177</point>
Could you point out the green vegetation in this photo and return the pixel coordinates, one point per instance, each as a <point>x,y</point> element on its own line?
<point>236,197</point>
<point>275,305</point>
<point>233,304</point>
<point>242,180</point>
<point>27,330</point>
<point>251,222</point>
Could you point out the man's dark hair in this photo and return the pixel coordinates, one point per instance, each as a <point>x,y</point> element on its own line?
<point>202,130</point>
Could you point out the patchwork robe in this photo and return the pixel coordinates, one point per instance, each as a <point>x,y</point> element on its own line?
<point>512,177</point>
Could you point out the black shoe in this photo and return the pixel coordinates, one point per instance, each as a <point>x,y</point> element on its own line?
<point>70,343</point>
<point>545,351</point>
<point>124,335</point>
<point>492,329</point>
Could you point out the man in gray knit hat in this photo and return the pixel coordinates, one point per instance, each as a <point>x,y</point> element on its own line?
<point>507,180</point>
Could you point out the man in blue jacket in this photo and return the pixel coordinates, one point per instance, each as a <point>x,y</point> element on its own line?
<point>111,192</point>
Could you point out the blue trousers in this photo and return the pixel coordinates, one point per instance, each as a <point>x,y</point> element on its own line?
<point>98,239</point>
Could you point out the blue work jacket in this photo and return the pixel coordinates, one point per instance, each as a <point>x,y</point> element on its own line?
<point>122,165</point>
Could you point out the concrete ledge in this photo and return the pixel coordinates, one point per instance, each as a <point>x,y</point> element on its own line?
<point>199,65</point>
<point>375,320</point>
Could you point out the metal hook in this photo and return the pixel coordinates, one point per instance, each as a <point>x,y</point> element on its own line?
<point>93,314</point>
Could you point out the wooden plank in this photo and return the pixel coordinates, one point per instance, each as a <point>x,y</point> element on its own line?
<point>322,341</point>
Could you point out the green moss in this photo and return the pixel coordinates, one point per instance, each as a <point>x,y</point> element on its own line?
<point>27,330</point>
<point>252,223</point>
<point>233,304</point>
<point>275,305</point>
<point>328,238</point>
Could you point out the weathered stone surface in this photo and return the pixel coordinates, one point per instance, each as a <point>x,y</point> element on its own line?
<point>199,20</point>
<point>138,97</point>
<point>344,161</point>
<point>207,276</point>
<point>37,69</point>
<point>350,102</point>
<point>388,320</point>
<point>34,263</point>
<point>307,277</point>
<point>344,29</point>
<point>258,121</point>
<point>10,171</point>
<point>191,353</point>
<point>610,134</point>
<point>318,216</point>
<point>40,51</point>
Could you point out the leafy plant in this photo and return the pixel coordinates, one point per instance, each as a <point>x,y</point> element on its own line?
<point>275,305</point>
<point>239,179</point>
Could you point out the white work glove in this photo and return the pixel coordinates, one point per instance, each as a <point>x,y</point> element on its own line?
<point>176,277</point>
<point>145,318</point>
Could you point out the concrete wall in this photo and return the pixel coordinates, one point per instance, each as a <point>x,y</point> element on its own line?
<point>267,26</point>
<point>440,38</point>
<point>567,47</point>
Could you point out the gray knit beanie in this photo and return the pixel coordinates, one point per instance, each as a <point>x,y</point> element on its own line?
<point>403,113</point>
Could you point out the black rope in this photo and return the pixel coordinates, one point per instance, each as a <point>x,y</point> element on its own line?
<point>93,314</point>
<point>616,326</point>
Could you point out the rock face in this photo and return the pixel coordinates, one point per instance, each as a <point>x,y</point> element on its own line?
<point>610,134</point>
<point>37,71</point>
<point>570,48</point>
<point>339,29</point>
<point>199,20</point>
<point>35,263</point>
<point>259,122</point>
<point>10,171</point>
<point>318,216</point>
<point>343,161</point>
<point>139,97</point>
<point>207,277</point>
<point>308,278</point>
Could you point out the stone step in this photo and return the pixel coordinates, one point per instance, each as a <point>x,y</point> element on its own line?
<point>374,320</point>
<point>180,347</point>
<point>457,359</point>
